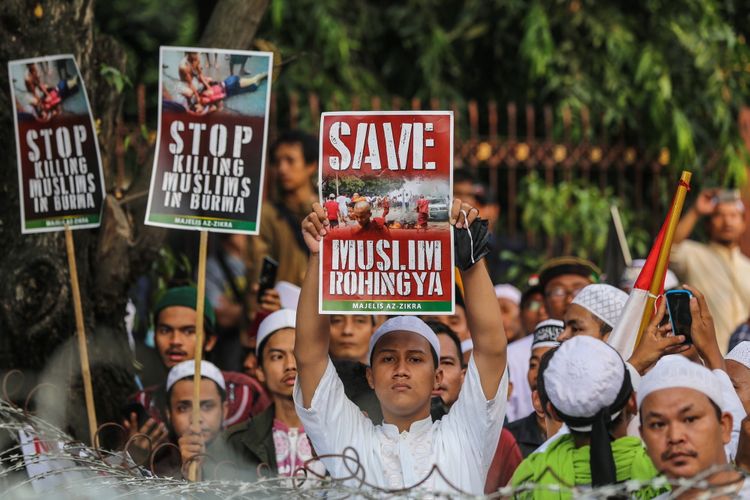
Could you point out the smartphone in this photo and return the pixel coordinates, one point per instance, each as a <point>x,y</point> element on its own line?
<point>267,275</point>
<point>678,305</point>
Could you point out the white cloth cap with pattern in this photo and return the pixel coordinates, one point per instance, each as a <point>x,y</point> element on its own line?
<point>603,301</point>
<point>740,353</point>
<point>584,376</point>
<point>676,371</point>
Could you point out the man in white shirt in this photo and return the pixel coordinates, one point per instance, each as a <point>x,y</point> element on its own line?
<point>718,268</point>
<point>403,371</point>
<point>343,202</point>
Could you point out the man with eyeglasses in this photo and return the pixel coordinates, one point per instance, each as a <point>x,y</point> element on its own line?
<point>562,278</point>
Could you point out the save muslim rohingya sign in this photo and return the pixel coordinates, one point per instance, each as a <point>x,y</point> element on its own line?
<point>390,245</point>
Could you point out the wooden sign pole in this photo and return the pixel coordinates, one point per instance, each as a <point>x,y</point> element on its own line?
<point>199,336</point>
<point>81,334</point>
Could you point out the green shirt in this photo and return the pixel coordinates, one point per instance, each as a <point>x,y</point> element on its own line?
<point>565,465</point>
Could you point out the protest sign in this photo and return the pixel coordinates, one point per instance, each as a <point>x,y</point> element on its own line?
<point>386,184</point>
<point>59,167</point>
<point>211,143</point>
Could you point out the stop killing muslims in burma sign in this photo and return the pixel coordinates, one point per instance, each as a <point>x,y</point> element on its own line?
<point>211,146</point>
<point>386,184</point>
<point>59,166</point>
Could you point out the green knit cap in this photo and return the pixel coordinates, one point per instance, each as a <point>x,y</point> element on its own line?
<point>186,296</point>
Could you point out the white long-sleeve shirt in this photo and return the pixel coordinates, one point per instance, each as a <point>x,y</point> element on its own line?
<point>461,444</point>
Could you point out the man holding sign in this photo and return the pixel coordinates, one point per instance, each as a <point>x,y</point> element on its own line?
<point>403,358</point>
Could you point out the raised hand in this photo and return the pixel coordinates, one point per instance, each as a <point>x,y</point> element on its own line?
<point>656,342</point>
<point>270,300</point>
<point>314,228</point>
<point>192,445</point>
<point>458,218</point>
<point>145,438</point>
<point>703,331</point>
<point>705,204</point>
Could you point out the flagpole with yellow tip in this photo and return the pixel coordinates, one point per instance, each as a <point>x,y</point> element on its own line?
<point>661,263</point>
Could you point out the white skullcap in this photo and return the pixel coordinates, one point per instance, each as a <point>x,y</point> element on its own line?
<point>405,324</point>
<point>186,369</point>
<point>677,371</point>
<point>283,318</point>
<point>507,291</point>
<point>584,376</point>
<point>741,353</point>
<point>603,301</point>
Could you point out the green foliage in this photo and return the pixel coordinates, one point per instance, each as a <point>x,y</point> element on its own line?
<point>347,184</point>
<point>662,74</point>
<point>142,26</point>
<point>167,269</point>
<point>573,217</point>
<point>114,77</point>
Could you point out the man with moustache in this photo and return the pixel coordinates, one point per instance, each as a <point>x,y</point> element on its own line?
<point>718,267</point>
<point>175,339</point>
<point>276,437</point>
<point>686,428</point>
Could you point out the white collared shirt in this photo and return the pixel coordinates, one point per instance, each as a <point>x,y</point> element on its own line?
<point>519,354</point>
<point>721,275</point>
<point>462,444</point>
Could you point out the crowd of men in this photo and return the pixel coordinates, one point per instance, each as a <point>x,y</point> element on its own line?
<point>518,387</point>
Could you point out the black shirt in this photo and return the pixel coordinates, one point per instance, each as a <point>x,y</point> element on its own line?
<point>527,433</point>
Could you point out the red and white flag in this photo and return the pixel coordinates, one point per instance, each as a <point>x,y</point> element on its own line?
<point>650,283</point>
<point>625,333</point>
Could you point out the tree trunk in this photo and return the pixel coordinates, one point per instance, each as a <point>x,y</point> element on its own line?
<point>36,313</point>
<point>233,24</point>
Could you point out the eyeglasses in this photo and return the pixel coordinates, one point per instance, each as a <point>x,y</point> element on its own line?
<point>561,293</point>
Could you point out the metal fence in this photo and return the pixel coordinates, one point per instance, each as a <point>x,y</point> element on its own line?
<point>500,143</point>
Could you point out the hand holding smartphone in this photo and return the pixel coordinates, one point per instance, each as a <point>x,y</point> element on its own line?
<point>678,306</point>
